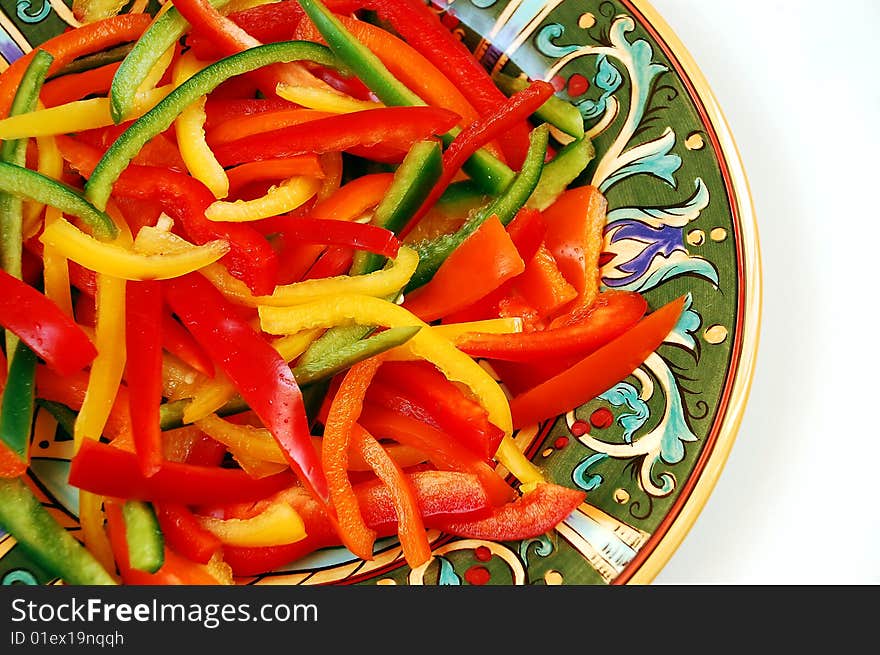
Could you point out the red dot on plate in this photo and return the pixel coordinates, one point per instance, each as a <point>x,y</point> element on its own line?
<point>483,554</point>
<point>579,428</point>
<point>561,442</point>
<point>577,85</point>
<point>477,575</point>
<point>602,418</point>
<point>558,82</point>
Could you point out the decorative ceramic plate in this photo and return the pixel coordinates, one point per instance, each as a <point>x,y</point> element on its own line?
<point>649,450</point>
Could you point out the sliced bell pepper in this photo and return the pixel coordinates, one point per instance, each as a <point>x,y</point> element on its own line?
<point>421,28</point>
<point>159,34</point>
<point>41,324</point>
<point>70,45</point>
<point>441,496</point>
<point>532,514</point>
<point>44,539</point>
<point>445,453</point>
<point>184,534</point>
<point>146,545</point>
<point>17,408</point>
<point>185,199</point>
<point>244,125</point>
<point>329,99</point>
<point>160,118</point>
<point>127,263</point>
<point>397,127</point>
<point>286,197</point>
<point>109,471</point>
<point>575,237</point>
<point>220,110</point>
<point>598,371</point>
<point>334,261</point>
<point>504,207</point>
<point>341,420</point>
<point>483,262</point>
<point>561,114</point>
<point>561,172</point>
<point>410,526</point>
<point>362,236</point>
<point>405,63</point>
<point>417,174</point>
<point>179,342</point>
<point>478,134</point>
<point>487,170</point>
<point>143,366</point>
<point>274,169</point>
<point>260,374</point>
<point>11,465</point>
<point>67,88</point>
<point>276,525</point>
<point>543,286</point>
<point>27,184</point>
<point>612,314</point>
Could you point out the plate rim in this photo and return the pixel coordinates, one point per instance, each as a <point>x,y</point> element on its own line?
<point>750,278</point>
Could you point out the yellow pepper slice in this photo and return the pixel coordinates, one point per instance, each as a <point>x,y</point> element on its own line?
<point>278,524</point>
<point>382,283</point>
<point>50,164</point>
<point>329,100</point>
<point>281,199</point>
<point>91,521</point>
<point>76,116</point>
<point>190,129</point>
<point>508,325</point>
<point>426,344</point>
<point>126,263</point>
<point>56,273</point>
<point>153,78</point>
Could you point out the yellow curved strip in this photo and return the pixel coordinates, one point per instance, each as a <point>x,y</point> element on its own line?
<point>328,100</point>
<point>278,524</point>
<point>279,200</point>
<point>125,263</point>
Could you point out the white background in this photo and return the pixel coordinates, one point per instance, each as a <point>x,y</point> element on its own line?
<point>799,499</point>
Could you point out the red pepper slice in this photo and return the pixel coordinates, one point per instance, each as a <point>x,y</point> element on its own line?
<point>361,236</point>
<point>530,515</point>
<point>598,371</point>
<point>419,390</point>
<point>479,133</point>
<point>442,496</point>
<point>482,263</point>
<point>220,109</point>
<point>185,199</point>
<point>41,324</point>
<point>396,127</point>
<point>334,261</point>
<point>444,453</point>
<point>613,313</point>
<point>184,534</point>
<point>179,342</point>
<point>422,29</point>
<point>543,286</point>
<point>246,125</point>
<point>259,373</point>
<point>143,367</point>
<point>64,48</point>
<point>410,526</point>
<point>109,471</point>
<point>11,465</point>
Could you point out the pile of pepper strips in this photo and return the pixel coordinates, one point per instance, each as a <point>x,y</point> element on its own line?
<point>252,265</point>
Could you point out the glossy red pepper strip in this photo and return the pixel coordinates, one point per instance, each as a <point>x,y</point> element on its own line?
<point>179,342</point>
<point>533,514</point>
<point>334,261</point>
<point>444,453</point>
<point>396,127</point>
<point>259,373</point>
<point>185,199</point>
<point>329,232</point>
<point>419,390</point>
<point>479,133</point>
<point>219,109</point>
<point>143,368</point>
<point>422,29</point>
<point>184,534</point>
<point>613,313</point>
<point>41,324</point>
<point>109,471</point>
<point>442,496</point>
<point>597,372</point>
<point>273,169</point>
